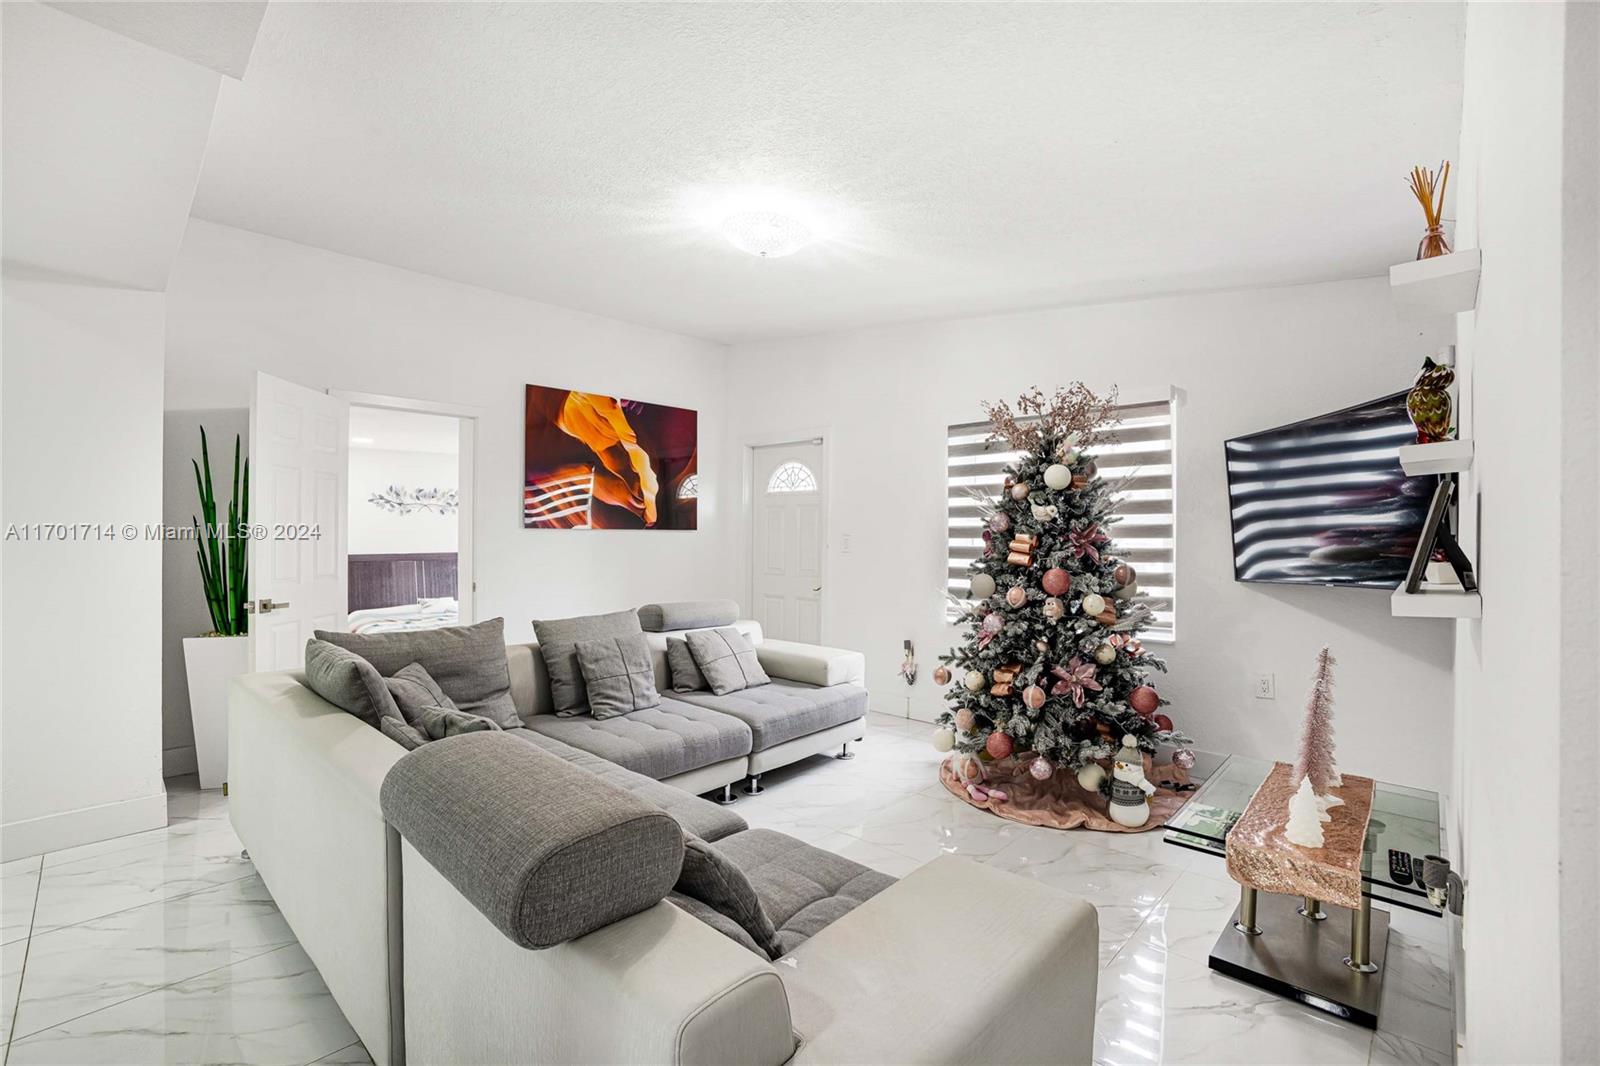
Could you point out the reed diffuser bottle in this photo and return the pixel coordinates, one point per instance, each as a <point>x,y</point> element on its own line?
<point>1429,188</point>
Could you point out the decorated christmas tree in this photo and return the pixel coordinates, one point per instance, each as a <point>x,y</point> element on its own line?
<point>1052,663</point>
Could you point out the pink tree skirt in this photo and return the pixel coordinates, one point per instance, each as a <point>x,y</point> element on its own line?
<point>1059,802</point>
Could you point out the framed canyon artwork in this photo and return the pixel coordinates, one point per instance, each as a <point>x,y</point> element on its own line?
<point>603,462</point>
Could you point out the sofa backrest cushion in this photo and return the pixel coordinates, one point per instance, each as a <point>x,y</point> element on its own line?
<point>687,614</point>
<point>558,643</point>
<point>468,662</point>
<point>711,877</point>
<point>348,681</point>
<point>544,850</point>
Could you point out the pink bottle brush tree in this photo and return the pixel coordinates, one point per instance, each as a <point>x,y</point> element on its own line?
<point>1316,761</point>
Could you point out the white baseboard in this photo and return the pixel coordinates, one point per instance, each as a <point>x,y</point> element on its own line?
<point>53,832</point>
<point>175,762</point>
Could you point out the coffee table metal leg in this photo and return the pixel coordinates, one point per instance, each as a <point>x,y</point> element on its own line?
<point>1360,957</point>
<point>1247,912</point>
<point>1311,908</point>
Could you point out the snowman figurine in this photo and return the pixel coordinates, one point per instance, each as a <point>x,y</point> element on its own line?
<point>1130,792</point>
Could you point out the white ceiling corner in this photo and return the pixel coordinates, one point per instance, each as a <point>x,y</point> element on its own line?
<point>967,158</point>
<point>216,34</point>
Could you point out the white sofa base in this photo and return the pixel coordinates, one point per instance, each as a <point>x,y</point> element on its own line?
<point>709,778</point>
<point>805,747</point>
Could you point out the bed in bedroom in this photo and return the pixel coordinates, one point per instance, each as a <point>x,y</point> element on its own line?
<point>395,592</point>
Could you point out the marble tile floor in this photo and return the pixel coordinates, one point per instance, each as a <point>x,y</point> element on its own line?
<point>165,947</point>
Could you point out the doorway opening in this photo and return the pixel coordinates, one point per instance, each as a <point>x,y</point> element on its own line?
<point>788,538</point>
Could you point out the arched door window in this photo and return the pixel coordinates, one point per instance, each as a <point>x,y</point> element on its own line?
<point>792,476</point>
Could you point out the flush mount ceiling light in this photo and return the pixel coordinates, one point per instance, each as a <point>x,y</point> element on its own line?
<point>767,234</point>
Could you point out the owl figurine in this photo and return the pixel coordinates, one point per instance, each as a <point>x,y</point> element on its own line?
<point>1428,402</point>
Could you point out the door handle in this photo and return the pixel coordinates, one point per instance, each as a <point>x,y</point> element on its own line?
<point>267,606</point>
<point>816,588</point>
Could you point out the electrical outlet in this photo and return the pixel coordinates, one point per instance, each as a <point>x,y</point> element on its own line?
<point>844,544</point>
<point>1263,688</point>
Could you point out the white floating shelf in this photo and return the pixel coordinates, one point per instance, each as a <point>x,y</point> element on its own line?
<point>1442,285</point>
<point>1444,457</point>
<point>1436,603</point>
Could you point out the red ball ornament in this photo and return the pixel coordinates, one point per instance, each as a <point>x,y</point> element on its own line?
<point>941,675</point>
<point>1163,722</point>
<point>1144,700</point>
<point>1057,581</point>
<point>998,745</point>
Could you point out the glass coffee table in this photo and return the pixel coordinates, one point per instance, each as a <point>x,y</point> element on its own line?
<point>1284,943</point>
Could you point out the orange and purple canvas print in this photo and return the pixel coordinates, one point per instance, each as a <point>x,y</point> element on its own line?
<point>603,462</point>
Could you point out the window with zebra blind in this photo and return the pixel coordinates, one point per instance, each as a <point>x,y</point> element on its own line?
<point>1143,533</point>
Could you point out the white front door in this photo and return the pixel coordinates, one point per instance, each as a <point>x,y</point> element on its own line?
<point>299,466</point>
<point>789,540</point>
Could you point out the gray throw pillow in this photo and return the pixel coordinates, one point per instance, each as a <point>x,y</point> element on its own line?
<point>349,682</point>
<point>686,676</point>
<point>618,675</point>
<point>402,734</point>
<point>726,659</point>
<point>468,662</point>
<point>558,642</point>
<point>710,877</point>
<point>436,723</point>
<point>414,688</point>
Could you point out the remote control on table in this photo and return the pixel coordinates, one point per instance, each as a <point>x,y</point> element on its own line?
<point>1400,867</point>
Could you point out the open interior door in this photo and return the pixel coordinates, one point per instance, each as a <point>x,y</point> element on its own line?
<point>299,468</point>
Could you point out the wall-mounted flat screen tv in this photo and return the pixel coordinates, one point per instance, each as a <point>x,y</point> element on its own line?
<point>1325,502</point>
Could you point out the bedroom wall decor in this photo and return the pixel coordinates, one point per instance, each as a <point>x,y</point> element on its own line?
<point>397,499</point>
<point>603,462</point>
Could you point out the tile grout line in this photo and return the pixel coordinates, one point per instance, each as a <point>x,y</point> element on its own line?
<point>337,1050</point>
<point>22,974</point>
<point>147,903</point>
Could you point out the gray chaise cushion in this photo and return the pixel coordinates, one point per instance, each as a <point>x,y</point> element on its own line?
<point>618,675</point>
<point>542,849</point>
<point>706,820</point>
<point>348,681</point>
<point>802,888</point>
<point>664,741</point>
<point>726,659</point>
<point>558,641</point>
<point>687,614</point>
<point>785,710</point>
<point>686,676</point>
<point>711,878</point>
<point>468,662</point>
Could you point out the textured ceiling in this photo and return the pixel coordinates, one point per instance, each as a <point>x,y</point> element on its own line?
<point>957,158</point>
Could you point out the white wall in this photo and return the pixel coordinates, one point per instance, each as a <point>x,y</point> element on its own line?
<point>80,696</point>
<point>374,530</point>
<point>239,302</point>
<point>183,603</point>
<point>1525,682</point>
<point>1245,361</point>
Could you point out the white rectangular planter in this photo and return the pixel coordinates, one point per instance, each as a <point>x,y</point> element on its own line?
<point>212,662</point>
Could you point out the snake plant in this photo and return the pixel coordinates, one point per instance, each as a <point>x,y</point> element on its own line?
<point>221,549</point>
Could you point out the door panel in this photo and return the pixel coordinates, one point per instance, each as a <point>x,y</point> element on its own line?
<point>789,540</point>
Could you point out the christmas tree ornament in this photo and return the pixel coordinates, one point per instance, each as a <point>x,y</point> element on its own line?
<point>998,745</point>
<point>1034,697</point>
<point>1000,689</point>
<point>1000,522</point>
<point>1053,609</point>
<point>969,767</point>
<point>1086,542</point>
<point>1044,512</point>
<point>944,739</point>
<point>1020,490</point>
<point>1108,617</point>
<point>1056,581</point>
<point>1008,672</point>
<point>1076,679</point>
<point>966,721</point>
<point>973,681</point>
<point>1016,595</point>
<point>1091,777</point>
<point>982,586</point>
<point>1057,476</point>
<point>1071,456</point>
<point>1184,758</point>
<point>1163,723</point>
<point>1124,575</point>
<point>941,675</point>
<point>1304,825</point>
<point>1105,655</point>
<point>1126,592</point>
<point>1041,769</point>
<point>1428,402</point>
<point>1130,791</point>
<point>1144,700</point>
<point>1021,549</point>
<point>1093,604</point>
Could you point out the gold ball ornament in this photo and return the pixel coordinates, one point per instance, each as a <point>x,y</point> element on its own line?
<point>1093,604</point>
<point>982,586</point>
<point>1054,609</point>
<point>1016,596</point>
<point>973,681</point>
<point>1105,655</point>
<point>1020,490</point>
<point>1057,476</point>
<point>941,675</point>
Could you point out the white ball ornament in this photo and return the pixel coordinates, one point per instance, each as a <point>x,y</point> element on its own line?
<point>973,680</point>
<point>1091,777</point>
<point>1057,476</point>
<point>1093,604</point>
<point>982,586</point>
<point>1126,592</point>
<point>944,739</point>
